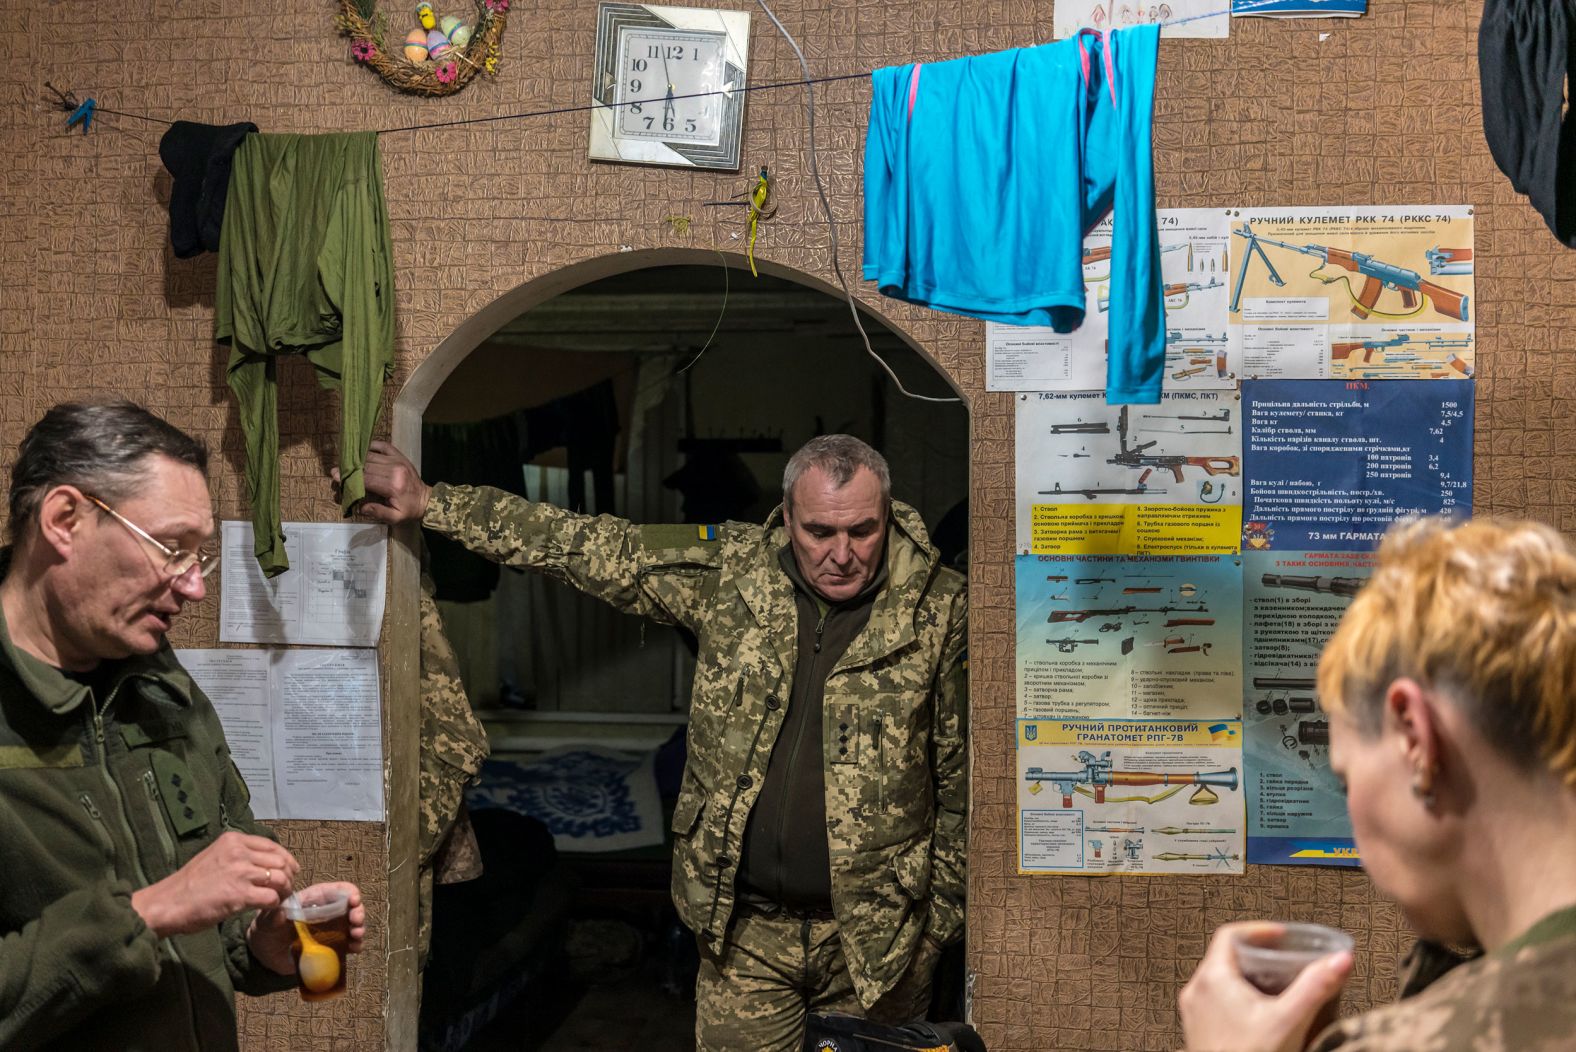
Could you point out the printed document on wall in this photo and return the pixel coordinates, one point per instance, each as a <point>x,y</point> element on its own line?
<point>1097,479</point>
<point>1125,637</point>
<point>1069,16</point>
<point>1352,293</point>
<point>332,595</point>
<point>1329,465</point>
<point>304,727</point>
<point>1129,796</point>
<point>1193,266</point>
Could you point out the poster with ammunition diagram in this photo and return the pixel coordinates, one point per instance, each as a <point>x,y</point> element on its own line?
<point>1359,293</point>
<point>1097,479</point>
<point>1293,601</point>
<point>1123,637</point>
<point>1102,797</point>
<point>1330,465</point>
<point>1193,262</point>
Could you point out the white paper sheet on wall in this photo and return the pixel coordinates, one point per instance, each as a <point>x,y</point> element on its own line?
<point>1178,18</point>
<point>304,727</point>
<point>332,595</point>
<point>1193,268</point>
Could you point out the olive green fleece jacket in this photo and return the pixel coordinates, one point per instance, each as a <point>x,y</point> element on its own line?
<point>100,796</point>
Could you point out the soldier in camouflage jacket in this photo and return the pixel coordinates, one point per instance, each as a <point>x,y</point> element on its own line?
<point>895,705</point>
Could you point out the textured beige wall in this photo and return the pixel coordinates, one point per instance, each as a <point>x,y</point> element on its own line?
<point>1383,111</point>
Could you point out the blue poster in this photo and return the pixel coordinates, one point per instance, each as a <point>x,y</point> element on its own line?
<point>1328,465</point>
<point>1129,637</point>
<point>1300,8</point>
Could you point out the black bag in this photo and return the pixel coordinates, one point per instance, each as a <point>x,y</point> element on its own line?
<point>835,1032</point>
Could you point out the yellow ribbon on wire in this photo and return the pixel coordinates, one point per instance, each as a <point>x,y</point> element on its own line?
<point>758,198</point>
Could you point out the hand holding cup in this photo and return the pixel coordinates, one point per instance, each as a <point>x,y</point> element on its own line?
<point>1225,1007</point>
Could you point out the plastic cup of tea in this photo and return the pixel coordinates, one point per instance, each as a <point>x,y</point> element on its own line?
<point>1271,955</point>
<point>321,915</point>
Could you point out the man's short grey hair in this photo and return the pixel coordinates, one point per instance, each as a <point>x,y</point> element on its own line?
<point>100,448</point>
<point>840,456</point>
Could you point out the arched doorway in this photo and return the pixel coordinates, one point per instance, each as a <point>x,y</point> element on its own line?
<point>670,298</point>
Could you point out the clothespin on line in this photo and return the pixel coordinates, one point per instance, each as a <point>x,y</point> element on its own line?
<point>80,111</point>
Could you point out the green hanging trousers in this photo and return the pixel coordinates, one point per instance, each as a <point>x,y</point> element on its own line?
<point>305,267</point>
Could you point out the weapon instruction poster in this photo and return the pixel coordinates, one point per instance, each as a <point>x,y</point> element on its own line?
<point>1130,796</point>
<point>1193,266</point>
<point>1122,637</point>
<point>1360,293</point>
<point>1097,479</point>
<point>1329,466</point>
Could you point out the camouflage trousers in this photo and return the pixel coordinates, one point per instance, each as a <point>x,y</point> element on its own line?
<point>777,966</point>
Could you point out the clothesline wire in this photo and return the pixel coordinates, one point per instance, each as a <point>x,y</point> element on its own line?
<point>808,83</point>
<point>1239,7</point>
<point>617,105</point>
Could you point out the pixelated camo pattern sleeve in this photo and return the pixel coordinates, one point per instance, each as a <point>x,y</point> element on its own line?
<point>949,738</point>
<point>652,571</point>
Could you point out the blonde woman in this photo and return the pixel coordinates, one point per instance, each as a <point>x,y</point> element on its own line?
<point>1451,691</point>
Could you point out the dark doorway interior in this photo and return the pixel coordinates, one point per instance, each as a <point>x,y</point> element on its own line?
<point>657,397</point>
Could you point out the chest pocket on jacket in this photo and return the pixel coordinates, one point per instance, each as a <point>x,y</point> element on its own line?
<point>184,801</point>
<point>842,733</point>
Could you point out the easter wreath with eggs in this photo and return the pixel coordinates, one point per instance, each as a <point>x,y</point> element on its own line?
<point>439,55</point>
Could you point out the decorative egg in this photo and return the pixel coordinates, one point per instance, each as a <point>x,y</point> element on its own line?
<point>437,43</point>
<point>461,35</point>
<point>449,24</point>
<point>416,45</point>
<point>425,16</point>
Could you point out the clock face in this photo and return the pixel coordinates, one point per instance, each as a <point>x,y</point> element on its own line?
<point>666,84</point>
<point>669,85</point>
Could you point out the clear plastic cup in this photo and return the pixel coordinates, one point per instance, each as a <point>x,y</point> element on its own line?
<point>321,915</point>
<point>1272,954</point>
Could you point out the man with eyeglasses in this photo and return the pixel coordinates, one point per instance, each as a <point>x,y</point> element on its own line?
<point>137,893</point>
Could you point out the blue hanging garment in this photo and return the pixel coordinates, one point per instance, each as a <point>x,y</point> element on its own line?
<point>983,174</point>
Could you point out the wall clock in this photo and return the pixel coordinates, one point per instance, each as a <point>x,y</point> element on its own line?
<point>669,85</point>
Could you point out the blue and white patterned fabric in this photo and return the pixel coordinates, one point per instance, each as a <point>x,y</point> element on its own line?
<point>590,798</point>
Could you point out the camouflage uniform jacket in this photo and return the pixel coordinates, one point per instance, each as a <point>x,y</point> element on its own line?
<point>1520,997</point>
<point>453,746</point>
<point>896,706</point>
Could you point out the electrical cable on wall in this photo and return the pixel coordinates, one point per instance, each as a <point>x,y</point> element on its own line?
<point>831,223</point>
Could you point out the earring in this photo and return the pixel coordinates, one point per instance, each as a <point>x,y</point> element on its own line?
<point>1423,790</point>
